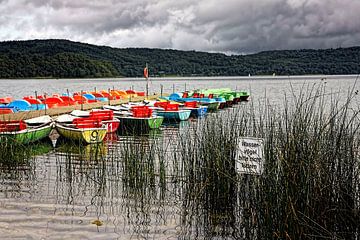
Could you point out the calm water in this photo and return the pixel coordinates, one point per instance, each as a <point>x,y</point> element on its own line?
<point>258,86</point>
<point>95,192</point>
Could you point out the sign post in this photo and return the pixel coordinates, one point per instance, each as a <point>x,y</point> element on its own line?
<point>250,156</point>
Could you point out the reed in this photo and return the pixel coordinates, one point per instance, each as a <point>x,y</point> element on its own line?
<point>13,154</point>
<point>310,186</point>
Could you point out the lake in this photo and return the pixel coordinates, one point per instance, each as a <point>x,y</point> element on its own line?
<point>101,192</point>
<point>258,86</point>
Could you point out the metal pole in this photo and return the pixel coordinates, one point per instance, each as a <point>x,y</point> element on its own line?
<point>173,88</point>
<point>95,89</point>
<point>185,87</point>
<point>161,90</point>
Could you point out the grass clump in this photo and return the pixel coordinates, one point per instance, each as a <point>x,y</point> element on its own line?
<point>310,185</point>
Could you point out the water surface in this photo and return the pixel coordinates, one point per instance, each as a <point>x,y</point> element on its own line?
<point>98,192</point>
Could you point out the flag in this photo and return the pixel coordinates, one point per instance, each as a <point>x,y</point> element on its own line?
<point>146,72</point>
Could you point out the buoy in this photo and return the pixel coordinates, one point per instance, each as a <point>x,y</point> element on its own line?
<point>97,222</point>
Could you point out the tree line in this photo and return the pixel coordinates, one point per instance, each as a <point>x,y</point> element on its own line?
<point>67,59</point>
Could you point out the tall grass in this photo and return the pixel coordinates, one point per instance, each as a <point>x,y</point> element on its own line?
<point>310,186</point>
<point>14,154</point>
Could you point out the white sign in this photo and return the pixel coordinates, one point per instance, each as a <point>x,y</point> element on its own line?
<point>250,155</point>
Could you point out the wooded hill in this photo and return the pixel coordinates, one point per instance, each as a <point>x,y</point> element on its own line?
<point>67,59</point>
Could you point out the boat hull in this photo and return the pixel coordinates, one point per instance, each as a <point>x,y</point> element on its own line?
<point>112,125</point>
<point>198,112</point>
<point>212,107</point>
<point>28,135</point>
<point>180,115</point>
<point>85,135</point>
<point>244,98</point>
<point>139,124</point>
<point>222,105</point>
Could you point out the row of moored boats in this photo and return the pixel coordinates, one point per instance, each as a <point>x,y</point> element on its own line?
<point>92,126</point>
<point>41,102</point>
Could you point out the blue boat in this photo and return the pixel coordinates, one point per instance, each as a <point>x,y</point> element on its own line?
<point>211,103</point>
<point>197,112</point>
<point>92,97</point>
<point>20,105</point>
<point>23,105</point>
<point>89,96</point>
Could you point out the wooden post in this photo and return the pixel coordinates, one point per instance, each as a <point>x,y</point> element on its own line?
<point>94,89</point>
<point>109,96</point>
<point>173,88</point>
<point>45,102</point>
<point>147,81</point>
<point>37,105</point>
<point>82,101</point>
<point>68,94</point>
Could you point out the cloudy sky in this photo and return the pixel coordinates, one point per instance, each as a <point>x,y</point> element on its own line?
<point>229,26</point>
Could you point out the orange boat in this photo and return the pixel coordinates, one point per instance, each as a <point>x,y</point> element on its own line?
<point>69,100</point>
<point>80,99</point>
<point>53,102</point>
<point>116,94</point>
<point>6,100</point>
<point>6,111</point>
<point>108,95</point>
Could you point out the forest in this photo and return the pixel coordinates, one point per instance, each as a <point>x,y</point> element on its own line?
<point>55,58</point>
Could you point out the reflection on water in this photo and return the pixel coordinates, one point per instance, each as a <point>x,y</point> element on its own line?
<point>122,187</point>
<point>116,189</point>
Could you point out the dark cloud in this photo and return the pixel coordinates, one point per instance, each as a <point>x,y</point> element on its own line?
<point>230,26</point>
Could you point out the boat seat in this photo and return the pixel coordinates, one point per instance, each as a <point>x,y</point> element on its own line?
<point>87,123</point>
<point>103,115</point>
<point>12,126</point>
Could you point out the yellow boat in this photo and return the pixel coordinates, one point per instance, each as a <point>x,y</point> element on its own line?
<point>169,101</point>
<point>86,135</point>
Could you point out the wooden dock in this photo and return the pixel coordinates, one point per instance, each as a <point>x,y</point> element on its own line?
<point>52,112</point>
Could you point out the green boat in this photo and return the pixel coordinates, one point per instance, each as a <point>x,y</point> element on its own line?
<point>139,124</point>
<point>212,107</point>
<point>25,132</point>
<point>229,98</point>
<point>244,96</point>
<point>227,93</point>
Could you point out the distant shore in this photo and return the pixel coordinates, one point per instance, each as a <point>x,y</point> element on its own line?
<point>313,76</point>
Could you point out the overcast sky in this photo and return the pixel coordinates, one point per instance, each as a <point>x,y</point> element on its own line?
<point>229,26</point>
